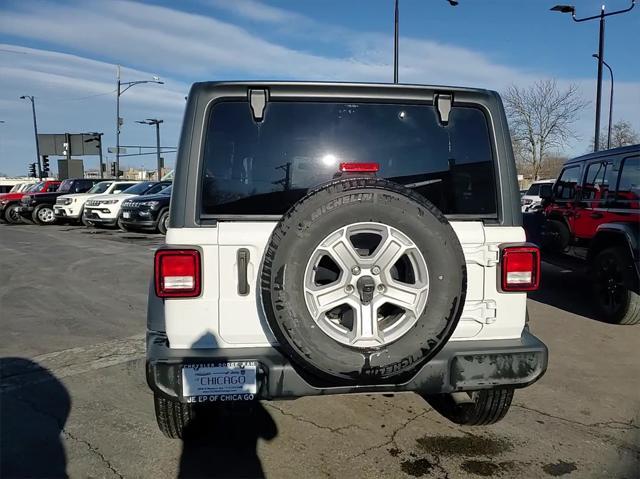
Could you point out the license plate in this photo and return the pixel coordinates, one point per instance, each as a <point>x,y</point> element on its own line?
<point>126,214</point>
<point>233,381</point>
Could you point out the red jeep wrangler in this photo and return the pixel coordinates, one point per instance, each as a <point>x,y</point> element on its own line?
<point>593,215</point>
<point>9,202</point>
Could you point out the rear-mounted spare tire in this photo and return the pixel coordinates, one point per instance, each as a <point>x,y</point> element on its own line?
<point>363,281</point>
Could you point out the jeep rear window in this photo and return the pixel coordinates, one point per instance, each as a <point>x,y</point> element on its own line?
<point>252,168</point>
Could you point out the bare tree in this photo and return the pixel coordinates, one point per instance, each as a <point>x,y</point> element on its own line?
<point>622,134</point>
<point>541,119</point>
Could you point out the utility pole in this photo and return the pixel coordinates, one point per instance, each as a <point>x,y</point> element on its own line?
<point>156,122</point>
<point>601,16</point>
<point>35,130</point>
<point>119,121</point>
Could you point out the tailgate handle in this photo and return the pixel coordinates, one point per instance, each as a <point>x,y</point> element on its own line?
<point>243,264</point>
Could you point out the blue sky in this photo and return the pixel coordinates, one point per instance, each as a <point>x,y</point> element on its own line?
<point>65,52</point>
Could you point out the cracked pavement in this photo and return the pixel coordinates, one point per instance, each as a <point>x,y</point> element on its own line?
<point>75,402</point>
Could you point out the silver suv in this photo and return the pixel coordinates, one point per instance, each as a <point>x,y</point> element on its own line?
<point>342,238</point>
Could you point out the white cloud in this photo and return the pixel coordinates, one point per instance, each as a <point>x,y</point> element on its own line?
<point>185,47</point>
<point>75,94</point>
<point>258,11</point>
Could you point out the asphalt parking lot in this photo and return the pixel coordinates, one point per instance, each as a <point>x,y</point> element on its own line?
<point>73,301</point>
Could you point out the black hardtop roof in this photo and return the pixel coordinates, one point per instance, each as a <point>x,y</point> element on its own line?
<point>604,153</point>
<point>332,86</point>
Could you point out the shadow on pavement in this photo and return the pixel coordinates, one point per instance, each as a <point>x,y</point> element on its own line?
<point>34,407</point>
<point>565,289</point>
<point>223,441</point>
<point>225,444</point>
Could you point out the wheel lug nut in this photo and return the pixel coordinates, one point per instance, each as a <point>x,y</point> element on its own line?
<point>375,270</point>
<point>355,270</point>
<point>381,288</point>
<point>348,289</point>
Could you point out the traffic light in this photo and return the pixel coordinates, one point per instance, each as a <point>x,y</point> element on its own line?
<point>45,165</point>
<point>32,170</point>
<point>113,169</point>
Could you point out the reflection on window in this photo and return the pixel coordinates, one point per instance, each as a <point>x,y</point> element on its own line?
<point>565,188</point>
<point>628,195</point>
<point>264,168</point>
<point>600,182</point>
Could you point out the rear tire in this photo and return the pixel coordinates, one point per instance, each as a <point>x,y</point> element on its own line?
<point>11,214</point>
<point>488,407</point>
<point>43,215</point>
<point>360,208</point>
<point>175,419</point>
<point>163,222</point>
<point>612,273</point>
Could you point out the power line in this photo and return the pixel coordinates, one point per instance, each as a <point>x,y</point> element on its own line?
<point>63,100</point>
<point>88,97</point>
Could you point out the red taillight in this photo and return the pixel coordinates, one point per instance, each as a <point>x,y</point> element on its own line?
<point>359,167</point>
<point>177,273</point>
<point>520,268</point>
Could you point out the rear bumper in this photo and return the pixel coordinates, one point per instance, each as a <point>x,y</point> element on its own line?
<point>459,366</point>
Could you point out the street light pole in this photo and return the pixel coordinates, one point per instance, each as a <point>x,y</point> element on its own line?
<point>118,126</point>
<point>156,122</point>
<point>610,101</point>
<point>596,144</point>
<point>396,37</point>
<point>120,91</point>
<point>601,16</point>
<point>396,32</point>
<point>35,130</point>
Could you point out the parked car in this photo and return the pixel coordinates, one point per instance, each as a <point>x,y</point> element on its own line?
<point>532,199</point>
<point>70,207</point>
<point>147,212</point>
<point>592,218</point>
<point>18,187</point>
<point>10,202</point>
<point>342,238</point>
<point>106,211</point>
<point>38,207</point>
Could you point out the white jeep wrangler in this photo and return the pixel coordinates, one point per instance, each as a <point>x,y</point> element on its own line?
<point>342,238</point>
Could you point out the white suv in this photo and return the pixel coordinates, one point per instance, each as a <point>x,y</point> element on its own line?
<point>342,238</point>
<point>71,207</point>
<point>532,199</point>
<point>106,211</point>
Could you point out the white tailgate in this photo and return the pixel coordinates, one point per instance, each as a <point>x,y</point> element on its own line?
<point>221,317</point>
<point>242,319</point>
<point>487,313</point>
